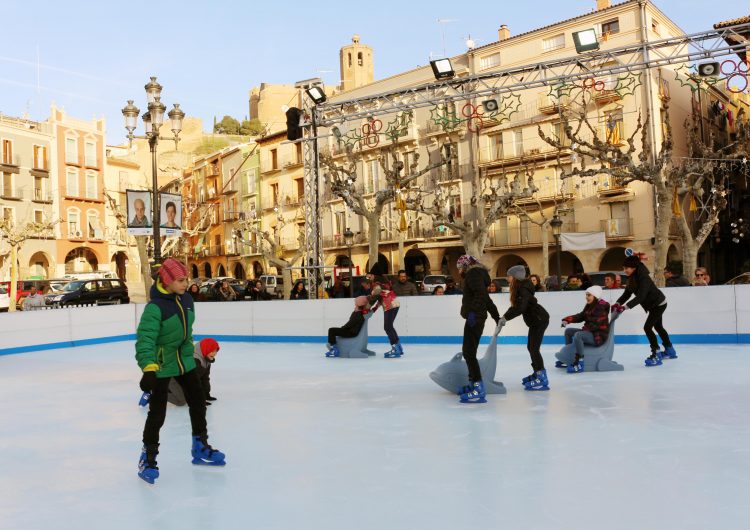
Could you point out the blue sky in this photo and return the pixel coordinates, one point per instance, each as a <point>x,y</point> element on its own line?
<point>209,54</point>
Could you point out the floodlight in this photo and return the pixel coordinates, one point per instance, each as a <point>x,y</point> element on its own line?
<point>316,94</point>
<point>442,69</point>
<point>490,105</point>
<point>586,40</point>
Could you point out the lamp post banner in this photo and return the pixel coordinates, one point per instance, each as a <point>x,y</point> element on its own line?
<point>583,241</point>
<point>139,212</point>
<point>171,214</point>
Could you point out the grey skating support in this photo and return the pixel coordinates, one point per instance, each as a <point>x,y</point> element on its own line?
<point>596,358</point>
<point>454,374</point>
<point>356,347</point>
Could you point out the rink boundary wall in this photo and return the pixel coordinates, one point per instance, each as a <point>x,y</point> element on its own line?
<point>700,315</point>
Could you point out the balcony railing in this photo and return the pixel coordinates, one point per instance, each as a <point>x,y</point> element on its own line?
<point>615,228</point>
<point>41,196</point>
<point>11,160</point>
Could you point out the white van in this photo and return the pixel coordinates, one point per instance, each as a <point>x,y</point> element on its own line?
<point>274,285</point>
<point>96,275</point>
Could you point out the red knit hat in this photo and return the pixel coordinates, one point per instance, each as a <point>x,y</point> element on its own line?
<point>172,270</point>
<point>208,345</point>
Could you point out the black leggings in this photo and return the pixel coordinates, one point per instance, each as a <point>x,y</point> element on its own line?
<point>653,322</point>
<point>536,336</point>
<point>472,335</point>
<point>157,410</point>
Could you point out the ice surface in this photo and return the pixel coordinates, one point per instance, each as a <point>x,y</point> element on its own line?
<point>375,444</point>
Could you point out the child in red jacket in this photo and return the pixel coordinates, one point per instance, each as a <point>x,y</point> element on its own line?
<point>595,318</point>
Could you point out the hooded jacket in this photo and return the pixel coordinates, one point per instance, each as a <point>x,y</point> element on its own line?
<point>164,340</point>
<point>476,299</point>
<point>645,290</point>
<point>528,306</point>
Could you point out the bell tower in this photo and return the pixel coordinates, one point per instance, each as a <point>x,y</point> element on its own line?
<point>356,65</point>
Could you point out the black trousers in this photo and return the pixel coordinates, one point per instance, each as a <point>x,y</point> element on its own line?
<point>472,335</point>
<point>339,332</point>
<point>157,410</point>
<point>534,342</point>
<point>653,322</point>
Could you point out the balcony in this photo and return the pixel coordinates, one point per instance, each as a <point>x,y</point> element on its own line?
<point>9,194</point>
<point>41,197</point>
<point>213,250</point>
<point>231,216</point>
<point>10,163</point>
<point>549,104</point>
<point>617,228</point>
<point>212,170</point>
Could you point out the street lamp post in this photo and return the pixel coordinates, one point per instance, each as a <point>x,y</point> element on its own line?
<point>153,119</point>
<point>349,240</point>
<point>556,224</point>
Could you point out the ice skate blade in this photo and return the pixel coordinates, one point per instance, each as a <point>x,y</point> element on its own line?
<point>391,356</point>
<point>200,462</point>
<point>150,480</point>
<point>540,389</point>
<point>471,401</point>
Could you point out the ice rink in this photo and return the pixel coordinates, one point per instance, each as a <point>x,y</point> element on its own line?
<point>316,443</point>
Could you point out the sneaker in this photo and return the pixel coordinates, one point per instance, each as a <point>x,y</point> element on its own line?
<point>669,353</point>
<point>575,368</point>
<point>654,359</point>
<point>560,364</point>
<point>475,395</point>
<point>540,381</point>
<point>333,351</point>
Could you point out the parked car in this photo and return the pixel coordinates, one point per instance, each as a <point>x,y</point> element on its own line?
<point>434,280</point>
<point>274,284</point>
<point>207,291</point>
<point>4,299</point>
<point>742,279</point>
<point>84,292</point>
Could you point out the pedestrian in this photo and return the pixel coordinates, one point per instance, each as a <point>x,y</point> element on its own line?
<point>205,355</point>
<point>384,294</point>
<point>364,289</point>
<point>536,281</point>
<point>33,301</point>
<point>450,287</point>
<point>595,330</point>
<point>673,276</point>
<point>573,283</point>
<point>585,281</point>
<point>298,291</point>
<point>351,328</point>
<point>611,281</point>
<point>652,300</point>
<point>339,291</point>
<point>475,304</point>
<point>164,350</point>
<point>194,292</point>
<point>259,293</point>
<point>403,286</point>
<point>701,278</point>
<point>225,293</point>
<point>438,290</point>
<point>523,302</point>
<point>492,287</point>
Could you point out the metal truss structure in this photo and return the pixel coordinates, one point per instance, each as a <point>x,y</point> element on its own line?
<point>624,60</point>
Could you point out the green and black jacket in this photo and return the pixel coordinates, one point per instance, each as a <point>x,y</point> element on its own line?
<point>164,340</point>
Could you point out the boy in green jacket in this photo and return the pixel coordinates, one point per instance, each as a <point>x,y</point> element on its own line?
<point>164,350</point>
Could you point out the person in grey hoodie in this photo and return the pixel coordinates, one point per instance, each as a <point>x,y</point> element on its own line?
<point>205,355</point>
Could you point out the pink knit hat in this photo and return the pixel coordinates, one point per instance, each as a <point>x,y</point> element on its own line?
<point>172,270</point>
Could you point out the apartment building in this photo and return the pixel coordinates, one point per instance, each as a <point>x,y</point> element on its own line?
<point>28,192</point>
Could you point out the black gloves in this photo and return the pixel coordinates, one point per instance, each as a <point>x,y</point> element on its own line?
<point>148,381</point>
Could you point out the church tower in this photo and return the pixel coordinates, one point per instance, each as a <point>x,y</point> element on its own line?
<point>356,65</point>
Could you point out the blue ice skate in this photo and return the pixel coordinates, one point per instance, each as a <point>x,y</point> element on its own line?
<point>560,364</point>
<point>399,348</point>
<point>669,353</point>
<point>526,380</point>
<point>145,397</point>
<point>540,381</point>
<point>654,359</point>
<point>575,367</point>
<point>476,394</point>
<point>333,351</point>
<point>204,454</point>
<point>147,469</point>
<point>393,352</point>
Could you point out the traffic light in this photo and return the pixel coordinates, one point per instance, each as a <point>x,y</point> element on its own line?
<point>293,119</point>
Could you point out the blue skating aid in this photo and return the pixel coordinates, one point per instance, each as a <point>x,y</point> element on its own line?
<point>454,375</point>
<point>356,347</point>
<point>476,394</point>
<point>145,397</point>
<point>204,454</point>
<point>598,358</point>
<point>147,472</point>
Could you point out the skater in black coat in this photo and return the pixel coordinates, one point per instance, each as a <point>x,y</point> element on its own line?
<point>523,302</point>
<point>653,301</point>
<point>352,327</point>
<point>475,305</point>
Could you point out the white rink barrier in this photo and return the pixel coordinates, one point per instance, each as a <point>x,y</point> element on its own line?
<point>712,315</point>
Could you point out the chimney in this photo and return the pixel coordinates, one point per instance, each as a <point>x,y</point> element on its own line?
<point>503,33</point>
<point>602,4</point>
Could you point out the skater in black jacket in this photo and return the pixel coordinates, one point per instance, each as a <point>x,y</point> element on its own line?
<point>475,305</point>
<point>523,302</point>
<point>653,301</point>
<point>351,328</point>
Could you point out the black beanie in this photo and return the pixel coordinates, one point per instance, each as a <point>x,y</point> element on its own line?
<point>632,261</point>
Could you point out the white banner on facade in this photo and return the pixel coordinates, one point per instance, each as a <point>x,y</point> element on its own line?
<point>139,212</point>
<point>583,241</point>
<point>171,214</point>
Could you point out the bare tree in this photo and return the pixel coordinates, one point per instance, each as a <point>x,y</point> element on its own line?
<point>15,237</point>
<point>342,180</point>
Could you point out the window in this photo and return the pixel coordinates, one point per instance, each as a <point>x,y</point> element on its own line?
<point>454,207</point>
<point>91,191</point>
<point>525,229</point>
<point>8,185</point>
<point>300,189</point>
<point>275,193</point>
<point>613,127</point>
<point>39,189</point>
<point>93,225</point>
<point>360,61</point>
<point>408,160</point>
<point>38,216</point>
<point>299,153</point>
<point>496,146</point>
<point>7,152</point>
<point>655,27</point>
<point>518,143</point>
<point>90,153</point>
<point>558,131</point>
<point>610,27</point>
<point>9,215</point>
<point>252,177</point>
<point>274,159</point>
<point>374,176</point>
<point>554,43</point>
<point>450,152</point>
<point>350,60</point>
<point>489,61</point>
<point>71,183</point>
<point>71,151</point>
<point>74,228</point>
<point>40,157</point>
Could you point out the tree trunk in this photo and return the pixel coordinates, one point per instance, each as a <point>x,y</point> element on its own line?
<point>690,248</point>
<point>13,277</point>
<point>474,242</point>
<point>145,269</point>
<point>373,233</point>
<point>661,245</point>
<point>401,235</point>
<point>286,275</point>
<point>545,251</point>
